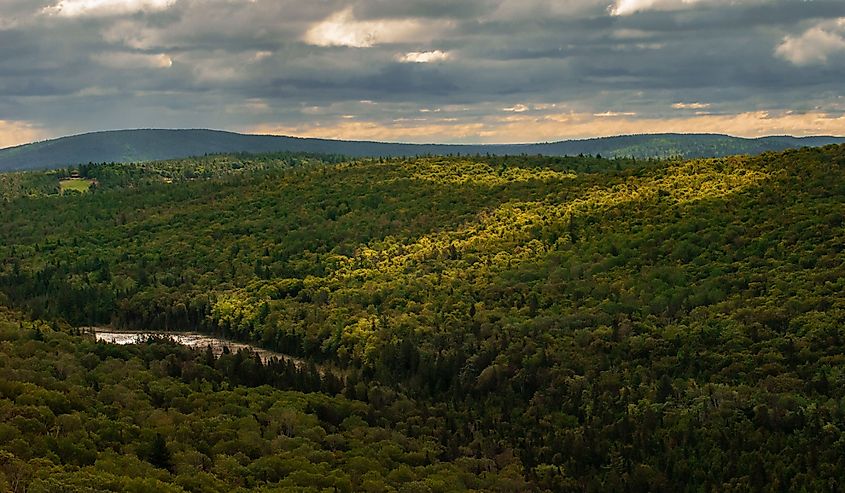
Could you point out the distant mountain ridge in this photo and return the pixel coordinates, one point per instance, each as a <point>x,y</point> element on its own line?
<point>157,144</point>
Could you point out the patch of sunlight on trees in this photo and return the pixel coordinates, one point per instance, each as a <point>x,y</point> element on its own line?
<point>460,172</point>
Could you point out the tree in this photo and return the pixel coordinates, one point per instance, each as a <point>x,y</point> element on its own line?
<point>160,455</point>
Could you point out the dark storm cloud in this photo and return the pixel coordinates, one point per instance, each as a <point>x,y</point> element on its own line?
<point>405,67</point>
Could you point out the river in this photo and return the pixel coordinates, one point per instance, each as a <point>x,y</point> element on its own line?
<point>192,340</point>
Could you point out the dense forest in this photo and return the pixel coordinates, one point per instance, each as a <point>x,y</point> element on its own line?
<point>503,323</point>
<point>81,416</point>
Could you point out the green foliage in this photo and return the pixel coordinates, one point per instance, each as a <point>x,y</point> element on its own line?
<point>14,185</point>
<point>84,416</point>
<point>585,324</point>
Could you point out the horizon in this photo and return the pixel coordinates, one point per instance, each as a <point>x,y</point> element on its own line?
<point>467,144</point>
<point>479,72</point>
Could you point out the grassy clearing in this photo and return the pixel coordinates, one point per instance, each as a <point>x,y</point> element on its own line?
<point>76,185</point>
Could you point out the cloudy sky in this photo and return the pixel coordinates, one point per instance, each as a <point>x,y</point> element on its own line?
<point>423,71</point>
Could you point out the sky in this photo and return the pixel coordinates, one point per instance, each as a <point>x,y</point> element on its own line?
<point>468,71</point>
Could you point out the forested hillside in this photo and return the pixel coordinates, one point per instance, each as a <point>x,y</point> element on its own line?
<point>124,146</point>
<point>82,416</point>
<point>582,324</point>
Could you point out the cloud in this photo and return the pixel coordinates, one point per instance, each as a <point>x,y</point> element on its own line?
<point>255,105</point>
<point>509,11</point>
<point>613,114</point>
<point>79,8</point>
<point>517,108</point>
<point>815,45</point>
<point>16,133</point>
<point>526,128</point>
<point>691,106</point>
<point>123,60</point>
<point>235,64</point>
<point>629,7</point>
<point>343,29</point>
<point>424,56</point>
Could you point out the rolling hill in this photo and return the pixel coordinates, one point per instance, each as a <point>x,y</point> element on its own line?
<point>504,324</point>
<point>153,144</point>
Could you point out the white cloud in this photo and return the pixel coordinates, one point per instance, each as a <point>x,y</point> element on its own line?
<point>628,7</point>
<point>815,45</point>
<point>691,106</point>
<point>614,114</point>
<point>517,108</point>
<point>122,60</point>
<point>79,8</point>
<point>424,56</point>
<point>343,29</point>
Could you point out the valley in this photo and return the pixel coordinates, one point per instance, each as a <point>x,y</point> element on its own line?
<point>563,324</point>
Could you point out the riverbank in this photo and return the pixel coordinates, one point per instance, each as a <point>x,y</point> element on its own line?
<point>197,340</point>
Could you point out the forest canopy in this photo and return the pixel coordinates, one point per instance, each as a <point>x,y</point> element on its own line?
<point>499,323</point>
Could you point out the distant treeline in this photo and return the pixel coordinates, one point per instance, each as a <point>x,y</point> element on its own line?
<point>126,146</point>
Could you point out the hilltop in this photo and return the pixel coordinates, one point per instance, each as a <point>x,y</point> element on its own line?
<point>151,144</point>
